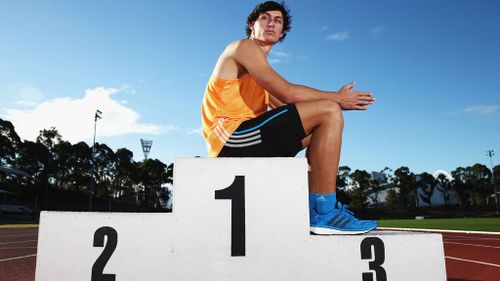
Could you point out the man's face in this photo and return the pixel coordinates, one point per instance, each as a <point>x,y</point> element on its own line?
<point>268,26</point>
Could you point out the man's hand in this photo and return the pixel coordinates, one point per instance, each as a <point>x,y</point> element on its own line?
<point>354,100</point>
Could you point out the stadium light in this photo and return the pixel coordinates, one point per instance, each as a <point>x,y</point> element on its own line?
<point>146,147</point>
<point>97,116</point>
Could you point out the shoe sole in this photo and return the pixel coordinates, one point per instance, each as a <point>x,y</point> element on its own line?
<point>331,231</point>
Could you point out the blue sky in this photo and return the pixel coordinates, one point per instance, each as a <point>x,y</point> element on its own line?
<point>433,66</point>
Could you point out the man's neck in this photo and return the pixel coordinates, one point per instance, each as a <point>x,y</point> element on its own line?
<point>264,46</point>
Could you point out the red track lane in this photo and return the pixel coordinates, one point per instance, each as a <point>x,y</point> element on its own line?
<point>471,257</point>
<point>17,254</point>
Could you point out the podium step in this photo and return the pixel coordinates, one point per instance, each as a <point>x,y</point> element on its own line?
<point>233,219</point>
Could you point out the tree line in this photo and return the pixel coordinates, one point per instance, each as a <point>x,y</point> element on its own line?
<point>471,186</point>
<point>56,164</point>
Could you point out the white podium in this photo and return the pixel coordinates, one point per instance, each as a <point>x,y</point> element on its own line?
<point>233,219</point>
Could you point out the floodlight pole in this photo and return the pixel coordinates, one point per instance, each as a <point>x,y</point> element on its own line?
<point>146,147</point>
<point>92,173</point>
<point>490,153</point>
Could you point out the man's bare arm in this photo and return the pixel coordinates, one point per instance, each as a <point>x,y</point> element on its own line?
<point>248,54</point>
<point>275,102</point>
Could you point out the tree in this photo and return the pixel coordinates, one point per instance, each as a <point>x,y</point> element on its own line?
<point>391,198</point>
<point>359,193</point>
<point>479,178</point>
<point>33,157</point>
<point>78,165</point>
<point>388,174</point>
<point>496,173</point>
<point>153,176</point>
<point>61,155</point>
<point>105,168</point>
<point>170,173</point>
<point>405,180</point>
<point>496,183</point>
<point>49,138</point>
<point>463,192</point>
<point>69,167</point>
<point>443,185</point>
<point>426,182</point>
<point>9,143</point>
<point>9,151</point>
<point>342,183</point>
<point>473,184</point>
<point>379,183</point>
<point>126,176</point>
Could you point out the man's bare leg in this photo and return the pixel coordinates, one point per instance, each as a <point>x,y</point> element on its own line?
<point>323,122</point>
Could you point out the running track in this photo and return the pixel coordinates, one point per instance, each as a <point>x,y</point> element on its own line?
<point>472,257</point>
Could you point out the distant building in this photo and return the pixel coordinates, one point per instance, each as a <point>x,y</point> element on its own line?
<point>436,198</point>
<point>379,177</point>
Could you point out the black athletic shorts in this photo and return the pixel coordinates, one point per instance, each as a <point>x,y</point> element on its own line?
<point>275,133</point>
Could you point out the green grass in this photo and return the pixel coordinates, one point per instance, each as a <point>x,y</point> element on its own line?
<point>471,224</point>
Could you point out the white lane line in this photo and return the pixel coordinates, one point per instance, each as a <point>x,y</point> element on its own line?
<point>16,248</point>
<point>475,245</point>
<point>17,242</point>
<point>17,258</point>
<point>17,235</point>
<point>440,230</point>
<point>469,238</point>
<point>473,261</point>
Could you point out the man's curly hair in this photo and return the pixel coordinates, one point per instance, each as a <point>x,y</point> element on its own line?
<point>270,6</point>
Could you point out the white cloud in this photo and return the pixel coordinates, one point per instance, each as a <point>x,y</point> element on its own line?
<point>191,131</point>
<point>74,118</point>
<point>479,110</point>
<point>273,61</point>
<point>280,54</point>
<point>338,36</point>
<point>25,103</point>
<point>483,110</point>
<point>322,28</point>
<point>26,94</point>
<point>377,31</point>
<point>277,57</point>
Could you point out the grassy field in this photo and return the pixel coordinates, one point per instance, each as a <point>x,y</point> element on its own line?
<point>472,224</point>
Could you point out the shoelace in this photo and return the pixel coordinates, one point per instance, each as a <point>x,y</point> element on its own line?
<point>344,209</point>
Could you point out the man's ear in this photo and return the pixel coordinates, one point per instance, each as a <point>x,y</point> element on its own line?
<point>250,25</point>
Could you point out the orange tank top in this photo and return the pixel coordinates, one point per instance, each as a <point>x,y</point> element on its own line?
<point>226,104</point>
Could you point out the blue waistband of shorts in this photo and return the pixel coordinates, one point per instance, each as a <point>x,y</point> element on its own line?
<point>261,124</point>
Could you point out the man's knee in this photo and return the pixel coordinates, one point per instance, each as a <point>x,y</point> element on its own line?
<point>333,112</point>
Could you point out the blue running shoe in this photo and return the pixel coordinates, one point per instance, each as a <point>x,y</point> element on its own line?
<point>339,221</point>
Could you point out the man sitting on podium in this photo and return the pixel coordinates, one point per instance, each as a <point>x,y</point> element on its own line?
<point>237,122</point>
